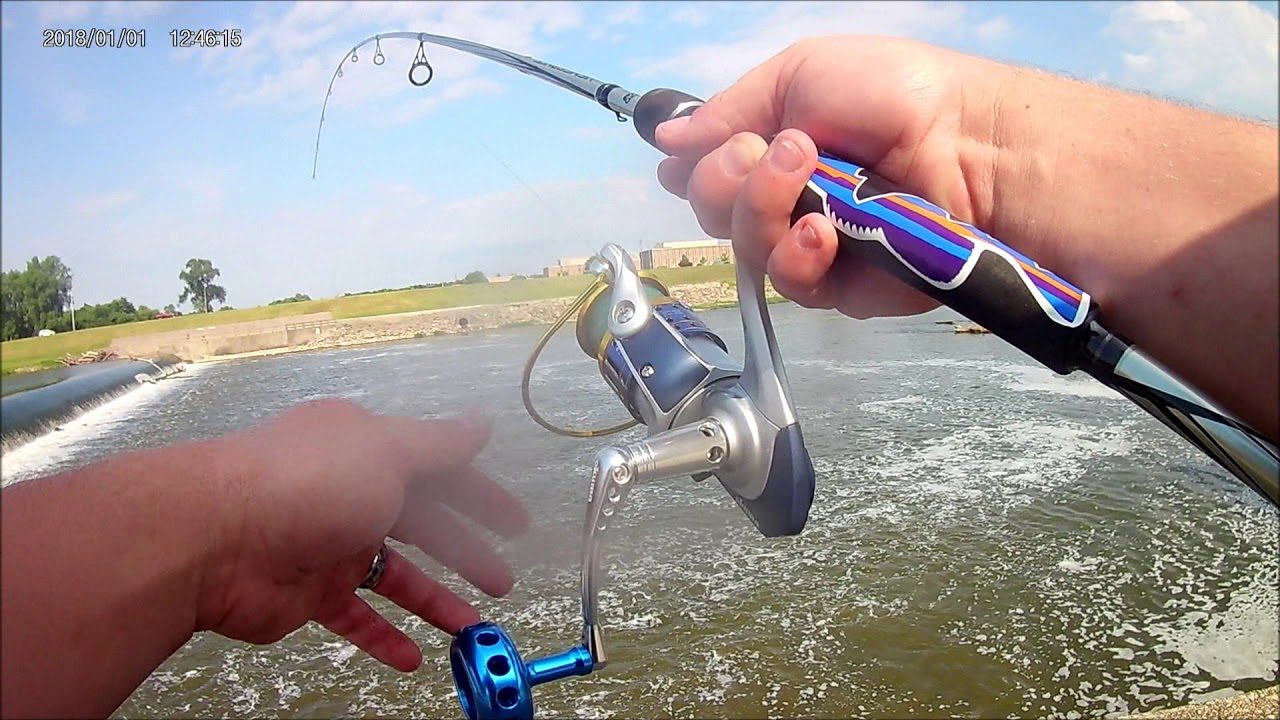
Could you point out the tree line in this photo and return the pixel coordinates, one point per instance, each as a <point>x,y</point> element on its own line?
<point>471,278</point>
<point>39,298</point>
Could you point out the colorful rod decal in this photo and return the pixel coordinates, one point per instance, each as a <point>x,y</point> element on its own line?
<point>925,238</point>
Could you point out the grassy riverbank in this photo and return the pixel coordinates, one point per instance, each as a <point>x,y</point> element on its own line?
<point>38,353</point>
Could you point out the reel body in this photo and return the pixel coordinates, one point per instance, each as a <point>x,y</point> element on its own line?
<point>706,415</point>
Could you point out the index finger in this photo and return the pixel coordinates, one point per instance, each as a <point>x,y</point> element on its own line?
<point>753,104</point>
<point>439,444</point>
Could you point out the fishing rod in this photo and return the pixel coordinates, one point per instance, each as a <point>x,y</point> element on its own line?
<point>709,416</point>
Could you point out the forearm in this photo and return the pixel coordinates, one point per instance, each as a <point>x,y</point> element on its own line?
<point>1166,214</point>
<point>101,569</point>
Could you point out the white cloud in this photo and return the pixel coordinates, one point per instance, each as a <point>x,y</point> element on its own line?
<point>690,15</point>
<point>70,105</point>
<point>1220,54</point>
<point>996,28</point>
<point>95,205</point>
<point>53,14</point>
<point>628,13</point>
<point>120,10</point>
<point>58,13</point>
<point>718,64</point>
<point>208,187</point>
<point>449,91</point>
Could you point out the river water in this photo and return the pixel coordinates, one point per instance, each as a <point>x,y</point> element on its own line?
<point>988,540</point>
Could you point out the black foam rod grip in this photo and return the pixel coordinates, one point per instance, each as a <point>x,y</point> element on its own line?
<point>658,106</point>
<point>921,244</point>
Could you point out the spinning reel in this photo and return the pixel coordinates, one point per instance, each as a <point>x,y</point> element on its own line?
<point>707,416</point>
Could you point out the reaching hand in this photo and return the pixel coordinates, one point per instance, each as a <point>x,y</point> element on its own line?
<point>315,492</point>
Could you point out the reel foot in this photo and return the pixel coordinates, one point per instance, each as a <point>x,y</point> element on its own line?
<point>491,679</point>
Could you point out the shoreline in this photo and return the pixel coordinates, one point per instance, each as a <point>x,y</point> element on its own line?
<point>398,327</point>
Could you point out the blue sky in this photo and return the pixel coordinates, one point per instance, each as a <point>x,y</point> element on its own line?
<point>127,162</point>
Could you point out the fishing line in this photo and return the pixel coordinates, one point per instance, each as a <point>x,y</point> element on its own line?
<point>547,205</point>
<point>556,219</point>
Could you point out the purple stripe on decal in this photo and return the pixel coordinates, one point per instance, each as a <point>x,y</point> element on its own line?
<point>935,264</point>
<point>914,215</point>
<point>1048,289</point>
<point>836,179</point>
<point>911,213</point>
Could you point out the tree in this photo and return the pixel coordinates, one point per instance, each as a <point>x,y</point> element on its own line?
<point>35,298</point>
<point>116,312</point>
<point>198,284</point>
<point>684,261</point>
<point>473,277</point>
<point>11,305</point>
<point>297,297</point>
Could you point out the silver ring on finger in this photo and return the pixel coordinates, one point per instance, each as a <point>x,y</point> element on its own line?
<point>376,569</point>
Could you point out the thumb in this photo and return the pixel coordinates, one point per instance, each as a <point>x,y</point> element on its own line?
<point>753,104</point>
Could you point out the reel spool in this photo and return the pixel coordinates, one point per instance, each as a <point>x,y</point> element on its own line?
<point>660,369</point>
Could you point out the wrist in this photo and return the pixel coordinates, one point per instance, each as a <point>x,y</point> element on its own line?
<point>1011,144</point>
<point>222,504</point>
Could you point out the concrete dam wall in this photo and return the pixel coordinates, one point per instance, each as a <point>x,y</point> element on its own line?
<point>28,413</point>
<point>204,343</point>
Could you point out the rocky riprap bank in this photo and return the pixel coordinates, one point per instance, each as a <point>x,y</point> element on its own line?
<point>405,326</point>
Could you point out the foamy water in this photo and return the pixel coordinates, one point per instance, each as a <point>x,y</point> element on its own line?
<point>36,456</point>
<point>988,540</point>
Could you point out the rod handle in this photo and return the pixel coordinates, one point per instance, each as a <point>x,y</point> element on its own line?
<point>921,244</point>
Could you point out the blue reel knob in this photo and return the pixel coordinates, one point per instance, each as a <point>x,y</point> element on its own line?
<point>491,680</point>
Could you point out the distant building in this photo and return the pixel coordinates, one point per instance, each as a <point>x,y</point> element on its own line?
<point>686,253</point>
<point>565,266</point>
<point>577,266</point>
<point>501,278</point>
<point>666,254</point>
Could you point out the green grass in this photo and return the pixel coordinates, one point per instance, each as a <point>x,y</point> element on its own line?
<point>43,352</point>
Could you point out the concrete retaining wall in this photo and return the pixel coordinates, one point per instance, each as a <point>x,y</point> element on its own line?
<point>197,344</point>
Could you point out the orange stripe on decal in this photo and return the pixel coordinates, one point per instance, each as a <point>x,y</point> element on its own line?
<point>839,173</point>
<point>960,229</point>
<point>946,222</point>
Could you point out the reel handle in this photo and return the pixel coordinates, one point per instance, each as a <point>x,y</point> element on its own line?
<point>921,244</point>
<point>491,679</point>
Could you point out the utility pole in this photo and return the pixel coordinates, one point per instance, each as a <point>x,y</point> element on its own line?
<point>206,297</point>
<point>72,297</point>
